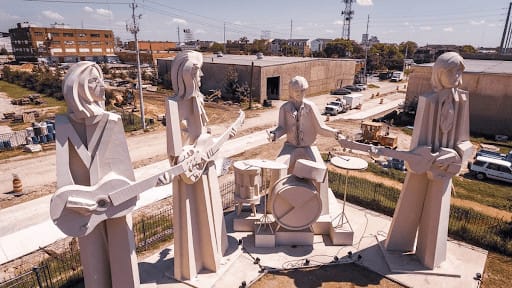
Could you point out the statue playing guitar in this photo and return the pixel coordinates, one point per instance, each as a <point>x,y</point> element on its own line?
<point>97,187</point>
<point>440,145</point>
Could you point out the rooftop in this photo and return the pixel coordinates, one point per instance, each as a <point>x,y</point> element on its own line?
<point>484,66</point>
<point>265,61</point>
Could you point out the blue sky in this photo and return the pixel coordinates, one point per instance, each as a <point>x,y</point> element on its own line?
<point>478,23</point>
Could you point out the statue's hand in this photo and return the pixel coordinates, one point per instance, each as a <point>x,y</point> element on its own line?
<point>446,165</point>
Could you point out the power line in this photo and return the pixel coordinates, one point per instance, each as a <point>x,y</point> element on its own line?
<point>78,2</point>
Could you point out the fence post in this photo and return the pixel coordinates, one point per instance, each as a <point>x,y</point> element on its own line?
<point>143,224</point>
<point>36,270</point>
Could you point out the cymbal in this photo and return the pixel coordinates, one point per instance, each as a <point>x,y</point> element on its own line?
<point>265,164</point>
<point>349,162</point>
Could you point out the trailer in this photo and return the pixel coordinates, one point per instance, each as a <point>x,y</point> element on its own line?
<point>354,100</point>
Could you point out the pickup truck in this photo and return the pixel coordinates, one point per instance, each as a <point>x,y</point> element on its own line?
<point>333,108</point>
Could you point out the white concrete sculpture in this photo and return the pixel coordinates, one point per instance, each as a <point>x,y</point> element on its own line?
<point>300,121</point>
<point>441,127</point>
<point>93,160</point>
<point>200,237</point>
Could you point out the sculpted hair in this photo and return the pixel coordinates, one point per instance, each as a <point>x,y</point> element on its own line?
<point>75,87</point>
<point>445,62</point>
<point>184,68</point>
<point>299,83</point>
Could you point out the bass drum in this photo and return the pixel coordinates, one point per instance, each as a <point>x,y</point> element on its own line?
<point>296,203</point>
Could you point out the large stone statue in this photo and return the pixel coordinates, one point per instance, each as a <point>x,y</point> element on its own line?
<point>442,126</point>
<point>300,121</point>
<point>200,237</point>
<point>92,159</point>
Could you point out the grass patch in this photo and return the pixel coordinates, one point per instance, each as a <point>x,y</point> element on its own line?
<point>388,173</point>
<point>16,92</point>
<point>373,86</point>
<point>498,271</point>
<point>497,195</point>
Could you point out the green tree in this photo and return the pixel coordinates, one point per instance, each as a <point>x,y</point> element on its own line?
<point>467,49</point>
<point>216,47</point>
<point>3,51</point>
<point>408,48</point>
<point>343,48</point>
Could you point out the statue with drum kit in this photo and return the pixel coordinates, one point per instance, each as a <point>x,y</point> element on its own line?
<point>297,198</point>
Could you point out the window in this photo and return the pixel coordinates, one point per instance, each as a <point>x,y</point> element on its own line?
<point>38,33</point>
<point>55,34</point>
<point>107,35</point>
<point>505,169</point>
<point>69,42</point>
<point>56,42</point>
<point>493,166</point>
<point>95,43</point>
<point>82,42</point>
<point>95,35</point>
<point>67,34</point>
<point>478,163</point>
<point>81,35</point>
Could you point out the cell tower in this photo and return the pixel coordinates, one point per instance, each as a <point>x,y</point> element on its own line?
<point>347,16</point>
<point>506,39</point>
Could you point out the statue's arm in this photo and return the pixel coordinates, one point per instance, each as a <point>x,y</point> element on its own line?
<point>281,125</point>
<point>322,129</point>
<point>173,129</point>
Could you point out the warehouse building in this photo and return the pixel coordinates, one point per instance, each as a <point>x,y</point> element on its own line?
<point>489,83</point>
<point>270,74</point>
<point>61,44</point>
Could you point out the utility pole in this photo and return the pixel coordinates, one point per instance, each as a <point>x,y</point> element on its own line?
<point>366,42</point>
<point>505,39</point>
<point>179,39</point>
<point>347,16</point>
<point>134,29</point>
<point>224,38</point>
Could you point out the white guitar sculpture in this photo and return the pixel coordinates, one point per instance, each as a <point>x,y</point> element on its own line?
<point>91,205</point>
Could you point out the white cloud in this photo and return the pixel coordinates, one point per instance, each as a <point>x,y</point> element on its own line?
<point>199,31</point>
<point>492,25</point>
<point>338,22</point>
<point>300,28</point>
<point>473,22</point>
<point>120,23</point>
<point>179,21</point>
<point>329,31</point>
<point>425,28</point>
<point>52,15</point>
<point>88,9</point>
<point>365,2</point>
<point>448,29</point>
<point>104,12</point>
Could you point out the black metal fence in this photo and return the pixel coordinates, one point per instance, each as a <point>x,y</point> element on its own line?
<point>64,269</point>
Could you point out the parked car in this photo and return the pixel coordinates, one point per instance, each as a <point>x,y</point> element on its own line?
<point>362,86</point>
<point>486,167</point>
<point>333,108</point>
<point>340,91</point>
<point>353,88</point>
<point>496,155</point>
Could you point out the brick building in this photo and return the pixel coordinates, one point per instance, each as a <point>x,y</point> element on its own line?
<point>152,45</point>
<point>61,44</point>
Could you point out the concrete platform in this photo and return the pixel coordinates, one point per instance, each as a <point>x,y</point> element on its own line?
<point>370,228</point>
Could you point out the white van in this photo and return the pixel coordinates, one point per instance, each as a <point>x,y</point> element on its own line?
<point>485,167</point>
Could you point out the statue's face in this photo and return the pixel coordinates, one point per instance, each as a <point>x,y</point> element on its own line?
<point>96,86</point>
<point>452,77</point>
<point>296,95</point>
<point>197,73</point>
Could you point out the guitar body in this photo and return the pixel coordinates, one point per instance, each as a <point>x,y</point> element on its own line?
<point>78,209</point>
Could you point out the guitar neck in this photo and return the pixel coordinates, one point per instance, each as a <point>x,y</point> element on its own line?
<point>382,151</point>
<point>121,195</point>
<point>225,136</point>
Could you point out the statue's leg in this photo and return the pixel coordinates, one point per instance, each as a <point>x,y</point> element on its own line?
<point>433,230</point>
<point>184,254</point>
<point>123,259</point>
<point>221,236</point>
<point>94,258</point>
<point>406,218</point>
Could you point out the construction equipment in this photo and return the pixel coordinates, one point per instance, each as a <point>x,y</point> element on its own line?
<point>372,133</point>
